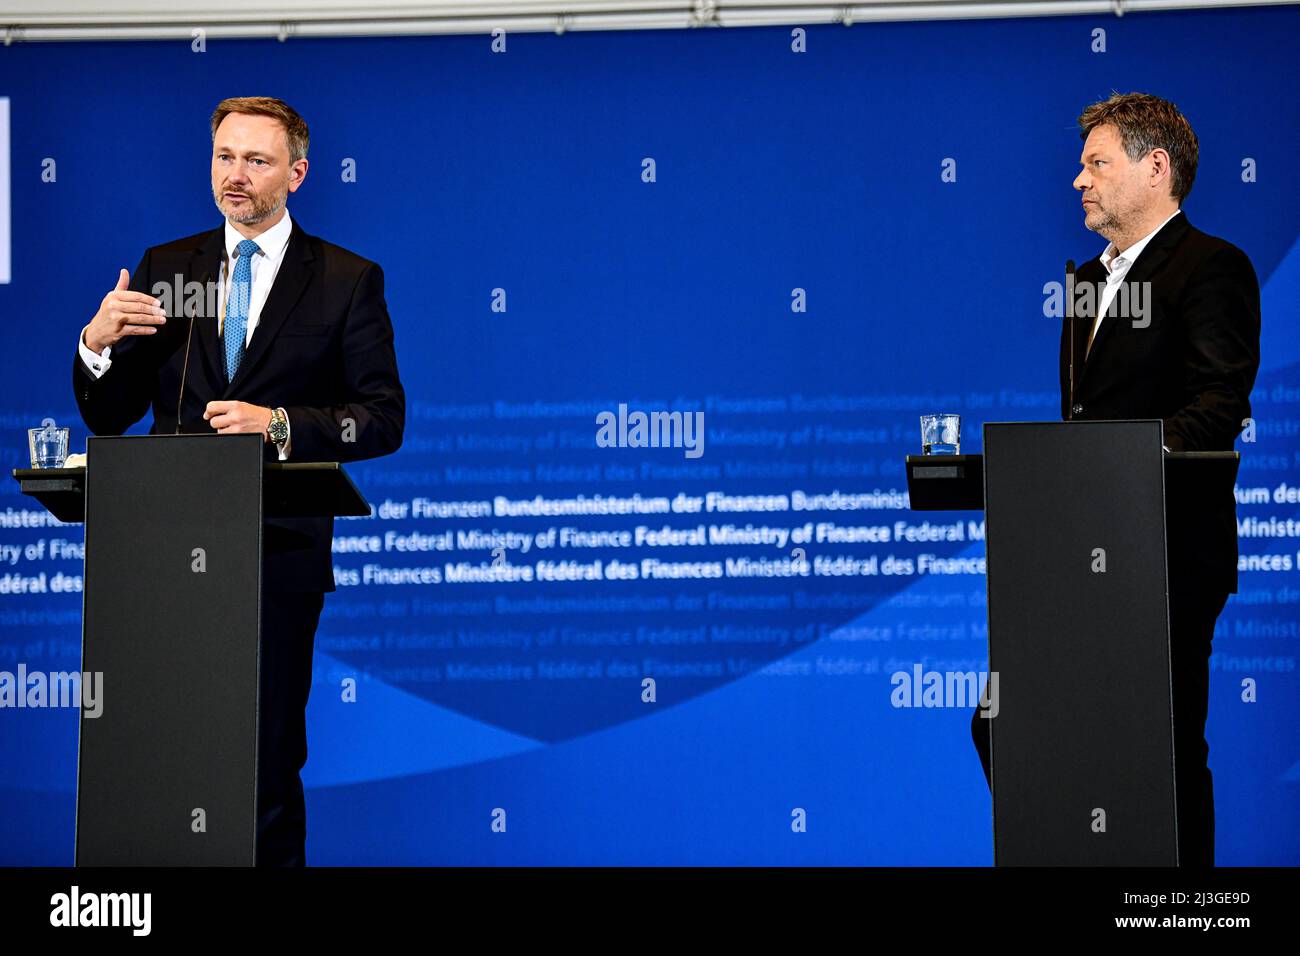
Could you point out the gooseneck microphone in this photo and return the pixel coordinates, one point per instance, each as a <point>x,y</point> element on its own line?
<point>1069,318</point>
<point>189,336</point>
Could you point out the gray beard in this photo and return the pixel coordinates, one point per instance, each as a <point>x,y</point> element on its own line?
<point>1107,227</point>
<point>253,214</point>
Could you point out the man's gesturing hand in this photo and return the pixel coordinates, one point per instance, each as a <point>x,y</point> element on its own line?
<point>123,313</point>
<point>234,418</point>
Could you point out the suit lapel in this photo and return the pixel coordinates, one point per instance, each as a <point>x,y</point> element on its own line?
<point>1152,257</point>
<point>1088,273</point>
<point>290,281</point>
<point>205,267</point>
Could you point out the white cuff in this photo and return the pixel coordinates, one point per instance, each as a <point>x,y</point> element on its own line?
<point>96,365</point>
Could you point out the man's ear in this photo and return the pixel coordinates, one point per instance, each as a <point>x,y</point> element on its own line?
<point>297,173</point>
<point>1160,167</point>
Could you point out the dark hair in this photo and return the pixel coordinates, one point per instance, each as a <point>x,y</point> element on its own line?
<point>1147,122</point>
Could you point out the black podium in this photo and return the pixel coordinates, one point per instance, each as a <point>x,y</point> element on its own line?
<point>175,533</point>
<point>1082,750</point>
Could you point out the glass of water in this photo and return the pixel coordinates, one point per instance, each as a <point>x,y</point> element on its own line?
<point>941,434</point>
<point>48,445</point>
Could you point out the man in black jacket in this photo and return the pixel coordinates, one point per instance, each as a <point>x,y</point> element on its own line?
<point>1168,328</point>
<point>299,349</point>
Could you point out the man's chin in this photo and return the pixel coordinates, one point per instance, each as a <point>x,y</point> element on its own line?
<point>245,213</point>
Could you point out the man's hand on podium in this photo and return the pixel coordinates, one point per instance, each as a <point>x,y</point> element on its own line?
<point>235,418</point>
<point>123,313</point>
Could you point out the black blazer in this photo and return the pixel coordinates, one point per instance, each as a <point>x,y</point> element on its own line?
<point>1193,367</point>
<point>322,349</point>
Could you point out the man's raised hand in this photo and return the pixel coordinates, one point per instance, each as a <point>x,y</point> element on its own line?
<point>123,313</point>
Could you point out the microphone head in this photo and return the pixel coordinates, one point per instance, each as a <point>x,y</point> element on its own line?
<point>1069,266</point>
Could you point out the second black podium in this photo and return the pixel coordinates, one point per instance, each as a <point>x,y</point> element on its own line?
<point>1083,767</point>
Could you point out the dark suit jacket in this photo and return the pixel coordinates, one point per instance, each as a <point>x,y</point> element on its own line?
<point>1193,367</point>
<point>322,349</point>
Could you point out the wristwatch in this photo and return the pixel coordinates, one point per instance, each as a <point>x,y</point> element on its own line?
<point>278,430</point>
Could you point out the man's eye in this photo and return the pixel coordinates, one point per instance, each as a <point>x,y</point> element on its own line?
<point>1098,162</point>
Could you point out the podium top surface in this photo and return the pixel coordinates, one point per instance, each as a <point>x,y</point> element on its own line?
<point>306,489</point>
<point>956,482</point>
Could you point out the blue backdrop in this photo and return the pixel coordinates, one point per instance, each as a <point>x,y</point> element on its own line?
<point>774,171</point>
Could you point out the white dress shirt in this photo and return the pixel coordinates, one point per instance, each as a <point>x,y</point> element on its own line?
<point>1117,265</point>
<point>265,265</point>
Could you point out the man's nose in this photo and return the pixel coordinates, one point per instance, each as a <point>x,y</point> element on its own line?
<point>1081,182</point>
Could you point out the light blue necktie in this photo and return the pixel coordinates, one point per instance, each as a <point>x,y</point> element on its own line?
<point>241,287</point>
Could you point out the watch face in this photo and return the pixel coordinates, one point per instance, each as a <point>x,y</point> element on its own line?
<point>279,429</point>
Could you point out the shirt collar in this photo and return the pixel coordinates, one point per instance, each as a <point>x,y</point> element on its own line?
<point>1132,252</point>
<point>272,242</point>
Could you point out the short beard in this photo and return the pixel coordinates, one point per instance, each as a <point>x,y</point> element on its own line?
<point>258,209</point>
<point>1106,225</point>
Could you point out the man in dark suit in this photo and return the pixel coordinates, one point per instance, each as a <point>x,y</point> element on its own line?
<point>299,349</point>
<point>1172,332</point>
